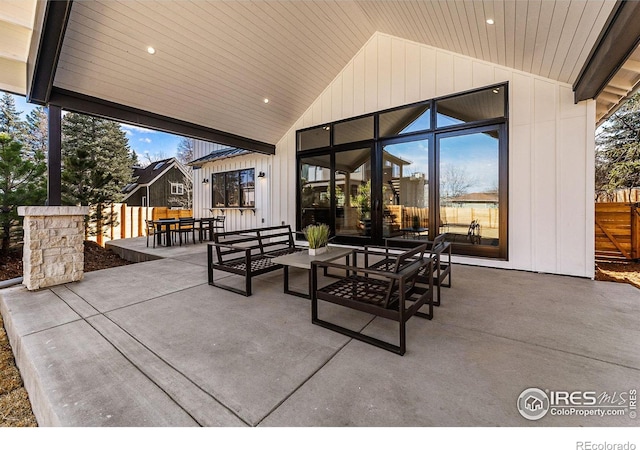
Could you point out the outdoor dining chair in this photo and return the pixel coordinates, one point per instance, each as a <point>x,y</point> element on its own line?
<point>154,233</point>
<point>186,227</point>
<point>219,223</point>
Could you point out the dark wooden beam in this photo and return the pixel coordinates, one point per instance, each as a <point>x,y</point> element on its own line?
<point>54,157</point>
<point>53,15</point>
<point>616,42</point>
<point>76,102</point>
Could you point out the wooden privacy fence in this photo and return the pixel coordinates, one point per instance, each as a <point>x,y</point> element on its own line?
<point>130,221</point>
<point>404,216</point>
<point>617,231</point>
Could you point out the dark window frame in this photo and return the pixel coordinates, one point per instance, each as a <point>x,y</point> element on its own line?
<point>433,134</point>
<point>241,192</point>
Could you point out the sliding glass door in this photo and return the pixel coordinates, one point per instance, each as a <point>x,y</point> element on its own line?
<point>353,193</point>
<point>469,187</point>
<point>405,189</point>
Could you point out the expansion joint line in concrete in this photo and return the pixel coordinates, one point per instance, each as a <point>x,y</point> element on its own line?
<point>154,354</point>
<point>580,355</point>
<point>312,374</point>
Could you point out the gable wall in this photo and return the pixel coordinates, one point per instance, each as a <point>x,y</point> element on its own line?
<point>551,147</point>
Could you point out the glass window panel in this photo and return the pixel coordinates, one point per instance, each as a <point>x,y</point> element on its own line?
<point>353,130</point>
<point>315,177</point>
<point>218,186</point>
<point>405,120</point>
<point>247,187</point>
<point>486,104</point>
<point>469,188</point>
<point>353,192</point>
<point>405,189</point>
<point>314,138</point>
<point>233,188</point>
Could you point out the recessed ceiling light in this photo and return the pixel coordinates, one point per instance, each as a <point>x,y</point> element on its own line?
<point>266,100</point>
<point>151,50</point>
<point>490,21</point>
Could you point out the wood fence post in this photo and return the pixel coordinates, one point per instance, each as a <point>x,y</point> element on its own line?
<point>123,223</point>
<point>114,218</point>
<point>635,230</point>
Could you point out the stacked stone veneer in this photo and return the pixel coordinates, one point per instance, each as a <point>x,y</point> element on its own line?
<point>53,244</point>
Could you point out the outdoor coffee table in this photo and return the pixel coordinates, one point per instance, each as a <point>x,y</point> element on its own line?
<point>302,260</point>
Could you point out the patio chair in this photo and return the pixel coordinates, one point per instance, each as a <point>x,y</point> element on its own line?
<point>186,227</point>
<point>210,226</point>
<point>392,294</point>
<point>153,233</point>
<point>439,251</point>
<point>219,224</point>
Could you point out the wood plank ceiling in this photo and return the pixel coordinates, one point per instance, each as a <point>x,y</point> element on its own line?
<point>16,28</point>
<point>216,61</point>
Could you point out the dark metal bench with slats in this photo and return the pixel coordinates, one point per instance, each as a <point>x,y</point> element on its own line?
<point>248,253</point>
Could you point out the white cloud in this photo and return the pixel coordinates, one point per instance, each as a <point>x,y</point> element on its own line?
<point>128,127</point>
<point>147,140</point>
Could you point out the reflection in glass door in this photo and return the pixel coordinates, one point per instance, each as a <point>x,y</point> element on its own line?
<point>405,189</point>
<point>353,193</point>
<point>469,188</point>
<point>315,177</point>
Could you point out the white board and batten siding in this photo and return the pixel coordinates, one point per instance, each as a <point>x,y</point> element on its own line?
<point>551,147</point>
<point>202,192</point>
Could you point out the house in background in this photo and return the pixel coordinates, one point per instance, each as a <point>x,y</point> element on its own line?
<point>162,183</point>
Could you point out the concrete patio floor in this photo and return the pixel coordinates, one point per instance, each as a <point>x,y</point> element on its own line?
<point>152,344</point>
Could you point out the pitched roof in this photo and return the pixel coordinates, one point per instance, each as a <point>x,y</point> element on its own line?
<point>144,175</point>
<point>223,153</point>
<point>147,175</point>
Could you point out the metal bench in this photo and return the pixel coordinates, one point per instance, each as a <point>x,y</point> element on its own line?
<point>248,253</point>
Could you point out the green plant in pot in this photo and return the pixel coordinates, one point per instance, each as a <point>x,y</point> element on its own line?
<point>318,237</point>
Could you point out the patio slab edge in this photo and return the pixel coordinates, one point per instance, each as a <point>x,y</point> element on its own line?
<point>131,254</point>
<point>41,408</point>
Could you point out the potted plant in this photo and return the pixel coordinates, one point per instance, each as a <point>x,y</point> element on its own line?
<point>318,237</point>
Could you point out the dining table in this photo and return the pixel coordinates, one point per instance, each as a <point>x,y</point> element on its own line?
<point>165,224</point>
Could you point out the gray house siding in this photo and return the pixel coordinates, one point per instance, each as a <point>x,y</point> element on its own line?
<point>160,190</point>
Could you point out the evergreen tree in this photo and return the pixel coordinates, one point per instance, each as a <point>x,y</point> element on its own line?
<point>37,127</point>
<point>97,166</point>
<point>10,121</point>
<point>22,182</point>
<point>135,161</point>
<point>618,151</point>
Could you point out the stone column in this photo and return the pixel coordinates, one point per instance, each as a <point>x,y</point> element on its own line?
<point>53,245</point>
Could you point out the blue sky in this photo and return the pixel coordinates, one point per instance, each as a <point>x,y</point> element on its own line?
<point>156,144</point>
